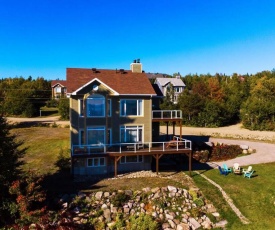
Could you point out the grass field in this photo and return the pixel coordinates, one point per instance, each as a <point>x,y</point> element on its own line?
<point>44,145</point>
<point>254,197</point>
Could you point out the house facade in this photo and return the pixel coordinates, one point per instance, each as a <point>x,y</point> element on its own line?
<point>59,88</point>
<point>173,85</point>
<point>111,120</point>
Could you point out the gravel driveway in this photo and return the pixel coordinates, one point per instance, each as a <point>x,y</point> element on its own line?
<point>265,152</point>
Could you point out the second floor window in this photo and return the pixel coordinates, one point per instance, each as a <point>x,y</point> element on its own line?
<point>131,107</point>
<point>95,106</point>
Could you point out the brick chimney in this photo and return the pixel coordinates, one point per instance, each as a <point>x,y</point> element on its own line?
<point>136,66</point>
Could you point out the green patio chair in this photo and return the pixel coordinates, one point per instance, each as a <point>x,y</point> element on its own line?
<point>248,174</point>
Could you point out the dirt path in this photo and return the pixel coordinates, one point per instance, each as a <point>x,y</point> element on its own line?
<point>45,120</point>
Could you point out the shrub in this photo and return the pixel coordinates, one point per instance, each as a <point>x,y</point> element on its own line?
<point>225,152</point>
<point>64,160</point>
<point>143,222</point>
<point>120,199</point>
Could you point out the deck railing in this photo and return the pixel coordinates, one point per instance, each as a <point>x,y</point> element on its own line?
<point>175,145</point>
<point>166,114</point>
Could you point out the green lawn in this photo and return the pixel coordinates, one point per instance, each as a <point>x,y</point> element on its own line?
<point>44,145</point>
<point>254,197</point>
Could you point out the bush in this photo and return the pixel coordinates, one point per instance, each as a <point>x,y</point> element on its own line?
<point>120,199</point>
<point>143,222</point>
<point>64,109</point>
<point>52,103</point>
<point>225,152</point>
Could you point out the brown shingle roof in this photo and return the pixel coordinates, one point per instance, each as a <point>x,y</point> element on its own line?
<point>123,83</point>
<point>61,82</point>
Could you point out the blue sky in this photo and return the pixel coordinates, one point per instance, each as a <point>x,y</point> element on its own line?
<point>44,37</point>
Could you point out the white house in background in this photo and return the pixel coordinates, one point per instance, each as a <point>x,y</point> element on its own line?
<point>167,84</point>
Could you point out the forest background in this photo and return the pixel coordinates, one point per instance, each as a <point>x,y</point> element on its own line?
<point>207,101</point>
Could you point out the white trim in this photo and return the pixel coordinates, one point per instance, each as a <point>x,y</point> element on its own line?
<point>95,79</point>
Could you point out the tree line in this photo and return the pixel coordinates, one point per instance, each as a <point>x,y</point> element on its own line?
<point>221,100</point>
<point>24,97</point>
<point>207,101</point>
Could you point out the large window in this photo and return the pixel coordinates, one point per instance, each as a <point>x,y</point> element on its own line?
<point>95,135</point>
<point>95,106</point>
<point>131,107</point>
<point>96,162</point>
<point>58,89</point>
<point>131,134</point>
<point>131,159</point>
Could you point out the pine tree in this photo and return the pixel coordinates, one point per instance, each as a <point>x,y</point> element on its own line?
<point>10,162</point>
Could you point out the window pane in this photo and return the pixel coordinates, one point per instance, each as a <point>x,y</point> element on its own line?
<point>81,137</point>
<point>109,107</point>
<point>131,134</point>
<point>95,106</point>
<point>96,162</point>
<point>58,89</point>
<point>131,107</point>
<point>131,159</point>
<point>90,162</point>
<point>102,161</point>
<point>139,107</point>
<point>96,136</point>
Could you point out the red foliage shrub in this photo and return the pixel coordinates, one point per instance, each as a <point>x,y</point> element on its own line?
<point>225,152</point>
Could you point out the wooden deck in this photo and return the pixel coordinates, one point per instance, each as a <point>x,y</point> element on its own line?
<point>155,150</point>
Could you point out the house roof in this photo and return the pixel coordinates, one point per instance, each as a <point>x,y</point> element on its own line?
<point>123,82</point>
<point>173,81</point>
<point>59,82</point>
<point>156,75</point>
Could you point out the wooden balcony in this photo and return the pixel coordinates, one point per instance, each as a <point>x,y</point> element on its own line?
<point>124,149</point>
<point>154,149</point>
<point>166,115</point>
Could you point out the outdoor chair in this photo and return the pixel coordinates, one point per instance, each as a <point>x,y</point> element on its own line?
<point>236,168</point>
<point>248,170</point>
<point>222,172</point>
<point>248,174</point>
<point>226,169</point>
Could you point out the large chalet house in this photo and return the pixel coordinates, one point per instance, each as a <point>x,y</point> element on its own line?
<point>173,86</point>
<point>113,127</point>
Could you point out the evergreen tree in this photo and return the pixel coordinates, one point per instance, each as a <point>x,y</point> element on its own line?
<point>10,162</point>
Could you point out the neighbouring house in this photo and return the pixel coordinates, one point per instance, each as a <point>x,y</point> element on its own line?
<point>174,86</point>
<point>59,88</point>
<point>113,127</point>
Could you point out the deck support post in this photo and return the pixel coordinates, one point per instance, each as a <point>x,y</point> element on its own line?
<point>167,131</point>
<point>116,160</point>
<point>157,157</point>
<point>190,162</point>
